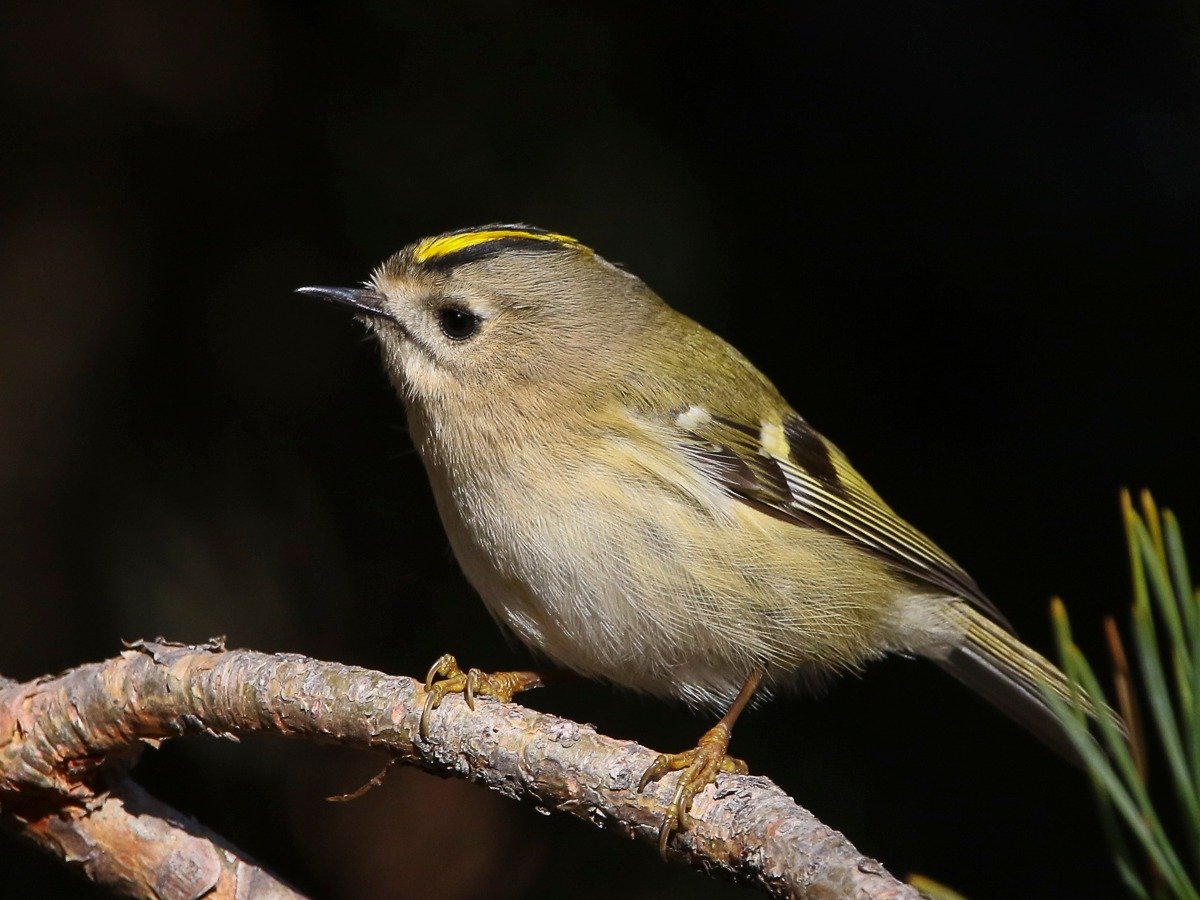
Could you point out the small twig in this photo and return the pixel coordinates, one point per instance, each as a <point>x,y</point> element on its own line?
<point>376,781</point>
<point>58,735</point>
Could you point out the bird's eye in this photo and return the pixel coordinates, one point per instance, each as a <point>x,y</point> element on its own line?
<point>457,323</point>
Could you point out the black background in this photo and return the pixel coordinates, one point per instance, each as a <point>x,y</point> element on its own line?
<point>961,238</point>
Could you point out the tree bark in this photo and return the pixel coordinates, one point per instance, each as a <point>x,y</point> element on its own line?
<point>66,741</point>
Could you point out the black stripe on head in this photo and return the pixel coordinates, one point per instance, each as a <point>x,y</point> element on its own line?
<point>488,249</point>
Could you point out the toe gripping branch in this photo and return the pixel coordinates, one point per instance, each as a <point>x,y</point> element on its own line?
<point>471,684</point>
<point>700,766</point>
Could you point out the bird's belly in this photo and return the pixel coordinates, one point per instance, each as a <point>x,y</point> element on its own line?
<point>662,602</point>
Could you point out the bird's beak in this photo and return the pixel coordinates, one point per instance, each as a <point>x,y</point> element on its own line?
<point>365,300</point>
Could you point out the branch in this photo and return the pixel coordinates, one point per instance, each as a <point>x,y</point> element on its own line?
<point>61,737</point>
<point>121,837</point>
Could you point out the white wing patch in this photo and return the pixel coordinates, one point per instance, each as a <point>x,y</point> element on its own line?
<point>693,417</point>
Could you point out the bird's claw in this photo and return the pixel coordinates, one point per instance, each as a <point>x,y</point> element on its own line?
<point>446,677</point>
<point>700,767</point>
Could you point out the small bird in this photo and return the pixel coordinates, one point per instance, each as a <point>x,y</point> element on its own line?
<point>637,503</point>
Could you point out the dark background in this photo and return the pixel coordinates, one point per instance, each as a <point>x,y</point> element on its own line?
<point>962,238</point>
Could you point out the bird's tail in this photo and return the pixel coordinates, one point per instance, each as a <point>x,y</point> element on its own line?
<point>997,666</point>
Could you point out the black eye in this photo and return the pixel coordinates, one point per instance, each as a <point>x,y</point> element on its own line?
<point>457,323</point>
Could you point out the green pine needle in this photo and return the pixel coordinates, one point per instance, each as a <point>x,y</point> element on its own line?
<point>1166,641</point>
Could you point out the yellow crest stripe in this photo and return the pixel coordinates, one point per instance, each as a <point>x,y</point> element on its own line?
<point>432,248</point>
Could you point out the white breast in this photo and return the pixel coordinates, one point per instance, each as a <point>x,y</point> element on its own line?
<point>639,571</point>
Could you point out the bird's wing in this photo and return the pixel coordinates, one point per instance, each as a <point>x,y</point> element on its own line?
<point>789,471</point>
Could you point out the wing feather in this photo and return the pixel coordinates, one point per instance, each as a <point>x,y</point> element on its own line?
<point>788,470</point>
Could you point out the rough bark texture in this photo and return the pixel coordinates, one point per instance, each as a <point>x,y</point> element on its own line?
<point>138,846</point>
<point>63,738</point>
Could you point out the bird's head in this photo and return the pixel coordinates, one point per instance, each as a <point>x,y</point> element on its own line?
<point>493,311</point>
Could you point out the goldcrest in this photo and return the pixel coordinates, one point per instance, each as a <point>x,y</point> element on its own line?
<point>637,503</point>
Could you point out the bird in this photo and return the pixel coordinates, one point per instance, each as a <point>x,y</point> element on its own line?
<point>637,503</point>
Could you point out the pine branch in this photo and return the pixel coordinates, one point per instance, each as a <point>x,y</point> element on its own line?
<point>65,742</point>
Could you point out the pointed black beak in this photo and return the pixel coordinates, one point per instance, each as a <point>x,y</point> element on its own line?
<point>365,300</point>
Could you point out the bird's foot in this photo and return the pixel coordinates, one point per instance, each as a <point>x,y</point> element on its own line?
<point>471,684</point>
<point>700,766</point>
